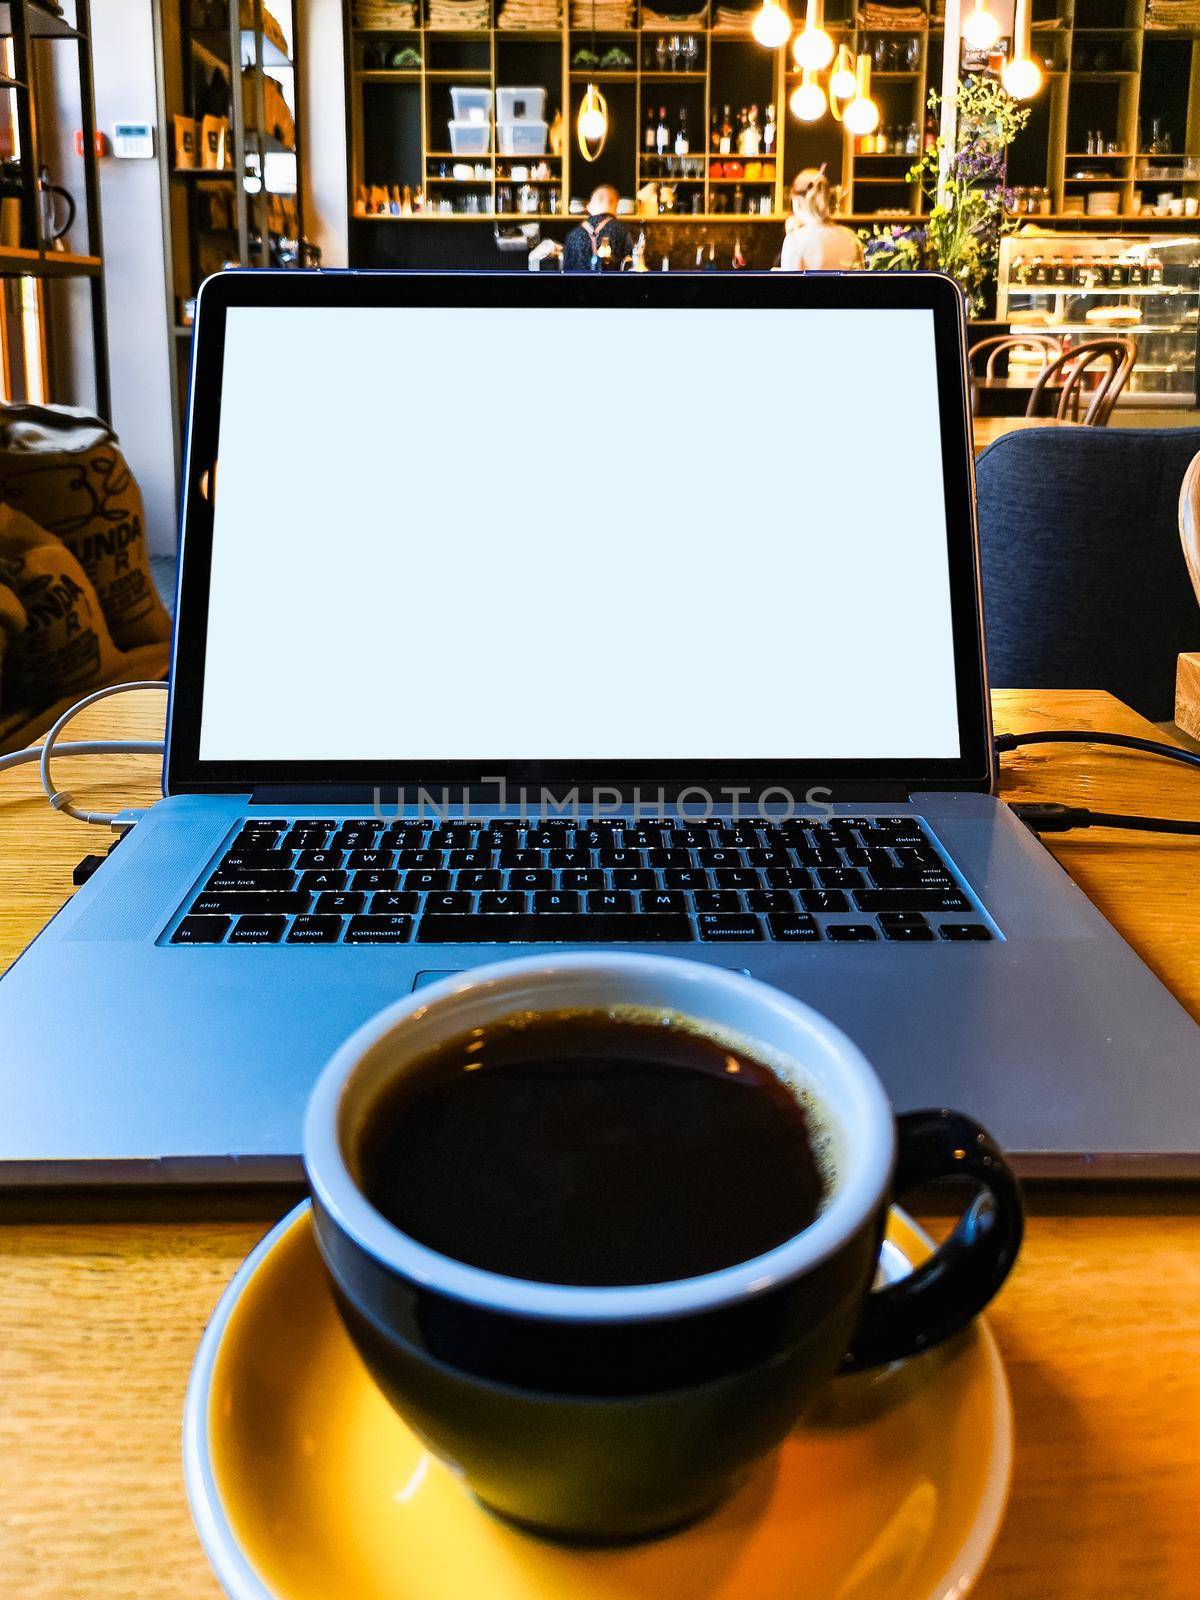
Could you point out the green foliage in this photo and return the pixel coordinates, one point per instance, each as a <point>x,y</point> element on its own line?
<point>970,210</point>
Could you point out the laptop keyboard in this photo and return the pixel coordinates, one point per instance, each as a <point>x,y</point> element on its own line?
<point>854,880</point>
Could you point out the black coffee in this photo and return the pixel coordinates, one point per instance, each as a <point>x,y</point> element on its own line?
<point>577,1149</point>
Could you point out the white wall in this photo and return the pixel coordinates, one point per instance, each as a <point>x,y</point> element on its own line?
<point>323,127</point>
<point>139,317</point>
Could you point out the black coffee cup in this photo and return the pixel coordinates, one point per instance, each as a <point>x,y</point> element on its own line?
<point>618,1413</point>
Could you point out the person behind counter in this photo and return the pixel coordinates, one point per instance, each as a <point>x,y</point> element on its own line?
<point>601,243</point>
<point>813,243</point>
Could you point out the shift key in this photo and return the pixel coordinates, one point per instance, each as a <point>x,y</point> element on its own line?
<point>240,902</point>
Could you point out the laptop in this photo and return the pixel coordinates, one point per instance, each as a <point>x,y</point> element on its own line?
<point>520,613</point>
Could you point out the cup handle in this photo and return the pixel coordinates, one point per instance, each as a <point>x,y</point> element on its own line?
<point>944,1293</point>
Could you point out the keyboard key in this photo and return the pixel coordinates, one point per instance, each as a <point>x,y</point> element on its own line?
<point>825,900</point>
<point>267,878</point>
<point>634,878</point>
<point>419,858</point>
<point>902,919</point>
<point>454,901</point>
<point>454,836</point>
<point>662,900</point>
<point>840,878</point>
<point>513,858</point>
<point>531,878</point>
<point>736,878</point>
<point>393,904</point>
<point>787,877</point>
<point>609,900</point>
<point>318,882</point>
<point>851,932</point>
<point>480,878</point>
<point>685,878</point>
<point>621,858</point>
<point>258,930</point>
<point>581,878</point>
<point>771,900</point>
<point>717,900</point>
<point>642,838</point>
<point>793,929</point>
<point>235,904</point>
<point>435,879</point>
<point>315,930</point>
<point>595,928</point>
<point>561,857</point>
<point>343,904</point>
<point>964,931</point>
<point>902,932</point>
<point>669,858</point>
<point>379,930</point>
<point>370,881</point>
<point>729,928</point>
<point>470,860</point>
<point>556,901</point>
<point>256,860</point>
<point>507,902</point>
<point>201,930</point>
<point>910,900</point>
<point>320,860</point>
<point>369,858</point>
<point>720,858</point>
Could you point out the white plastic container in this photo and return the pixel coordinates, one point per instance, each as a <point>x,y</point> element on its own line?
<point>522,138</point>
<point>519,105</point>
<point>471,104</point>
<point>469,138</point>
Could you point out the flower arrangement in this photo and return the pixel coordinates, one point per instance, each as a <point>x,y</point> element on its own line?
<point>970,210</point>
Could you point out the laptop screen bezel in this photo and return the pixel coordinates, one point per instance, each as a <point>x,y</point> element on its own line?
<point>186,772</point>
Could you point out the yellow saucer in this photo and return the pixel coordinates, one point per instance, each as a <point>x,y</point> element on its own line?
<point>305,1485</point>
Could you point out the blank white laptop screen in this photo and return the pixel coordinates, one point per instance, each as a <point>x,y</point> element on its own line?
<point>579,534</point>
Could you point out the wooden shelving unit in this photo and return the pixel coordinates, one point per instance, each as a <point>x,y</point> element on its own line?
<point>1106,72</point>
<point>27,28</point>
<point>234,61</point>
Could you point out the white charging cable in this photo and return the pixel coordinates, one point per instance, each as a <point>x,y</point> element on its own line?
<point>62,800</point>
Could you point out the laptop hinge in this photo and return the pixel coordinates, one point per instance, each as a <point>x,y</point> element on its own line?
<point>687,800</point>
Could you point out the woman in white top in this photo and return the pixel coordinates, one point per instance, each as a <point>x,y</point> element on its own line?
<point>813,243</point>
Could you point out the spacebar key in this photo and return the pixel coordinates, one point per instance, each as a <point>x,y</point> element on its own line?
<point>554,928</point>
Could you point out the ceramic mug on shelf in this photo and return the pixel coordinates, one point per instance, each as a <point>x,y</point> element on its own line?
<point>620,1412</point>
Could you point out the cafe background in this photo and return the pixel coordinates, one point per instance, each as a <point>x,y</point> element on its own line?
<point>469,133</point>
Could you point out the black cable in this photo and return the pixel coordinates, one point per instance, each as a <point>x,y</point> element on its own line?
<point>1053,818</point>
<point>1050,818</point>
<point>1126,741</point>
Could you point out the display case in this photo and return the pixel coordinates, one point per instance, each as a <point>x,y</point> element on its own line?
<point>1082,286</point>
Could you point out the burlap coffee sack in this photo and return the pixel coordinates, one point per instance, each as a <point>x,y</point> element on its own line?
<point>64,469</point>
<point>64,644</point>
<point>12,621</point>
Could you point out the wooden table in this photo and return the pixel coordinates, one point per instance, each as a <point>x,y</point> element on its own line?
<point>986,430</point>
<point>1187,693</point>
<point>1100,1324</point>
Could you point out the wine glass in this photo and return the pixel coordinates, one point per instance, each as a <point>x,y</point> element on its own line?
<point>660,52</point>
<point>675,47</point>
<point>691,52</point>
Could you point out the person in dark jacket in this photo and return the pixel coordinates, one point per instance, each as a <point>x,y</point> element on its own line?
<point>601,243</point>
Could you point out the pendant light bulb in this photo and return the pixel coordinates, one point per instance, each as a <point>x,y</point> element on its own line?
<point>980,29</point>
<point>591,124</point>
<point>812,47</point>
<point>842,82</point>
<point>861,116</point>
<point>1021,77</point>
<point>808,98</point>
<point>771,25</point>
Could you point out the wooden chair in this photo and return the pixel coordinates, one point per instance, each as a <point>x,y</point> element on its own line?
<point>998,343</point>
<point>1065,374</point>
<point>1189,521</point>
<point>1001,344</point>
